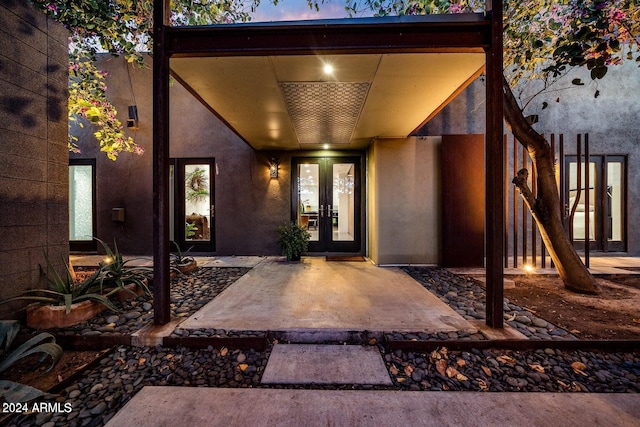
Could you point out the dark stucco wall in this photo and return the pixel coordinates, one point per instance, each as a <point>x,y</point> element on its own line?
<point>248,204</point>
<point>33,145</point>
<point>612,120</point>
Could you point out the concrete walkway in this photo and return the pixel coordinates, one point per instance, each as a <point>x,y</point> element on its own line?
<point>193,407</point>
<point>320,298</point>
<point>317,297</point>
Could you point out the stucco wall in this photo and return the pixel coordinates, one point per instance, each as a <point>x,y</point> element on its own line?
<point>248,204</point>
<point>404,201</point>
<point>612,121</point>
<point>33,145</point>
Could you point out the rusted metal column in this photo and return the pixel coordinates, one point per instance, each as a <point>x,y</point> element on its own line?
<point>161,286</point>
<point>494,199</point>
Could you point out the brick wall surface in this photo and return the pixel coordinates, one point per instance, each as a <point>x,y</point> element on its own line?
<point>33,145</point>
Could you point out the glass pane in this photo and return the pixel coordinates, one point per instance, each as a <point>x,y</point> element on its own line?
<point>197,202</point>
<point>580,216</point>
<point>308,201</point>
<point>80,202</point>
<point>614,200</point>
<point>342,211</point>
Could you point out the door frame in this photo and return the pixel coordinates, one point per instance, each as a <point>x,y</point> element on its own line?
<point>87,245</point>
<point>325,245</point>
<point>179,205</point>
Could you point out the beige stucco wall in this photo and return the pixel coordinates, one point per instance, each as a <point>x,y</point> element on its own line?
<point>404,200</point>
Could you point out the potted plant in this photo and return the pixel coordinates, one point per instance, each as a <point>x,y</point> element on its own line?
<point>185,264</point>
<point>294,240</point>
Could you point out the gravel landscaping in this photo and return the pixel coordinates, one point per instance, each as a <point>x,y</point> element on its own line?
<point>103,390</point>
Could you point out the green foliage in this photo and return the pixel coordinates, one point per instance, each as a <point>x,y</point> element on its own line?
<point>88,103</point>
<point>43,344</point>
<point>120,27</point>
<point>543,39</point>
<point>111,277</point>
<point>294,240</point>
<point>197,185</point>
<point>114,274</point>
<point>178,258</point>
<point>189,229</point>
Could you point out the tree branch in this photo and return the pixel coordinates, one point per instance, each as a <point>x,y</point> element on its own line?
<point>521,129</point>
<point>520,181</point>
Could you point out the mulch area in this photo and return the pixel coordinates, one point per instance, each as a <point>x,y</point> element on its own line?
<point>613,314</point>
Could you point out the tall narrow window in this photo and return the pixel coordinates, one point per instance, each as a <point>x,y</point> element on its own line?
<point>82,205</point>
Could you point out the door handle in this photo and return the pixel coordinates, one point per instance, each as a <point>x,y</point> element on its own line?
<point>321,211</point>
<point>213,211</point>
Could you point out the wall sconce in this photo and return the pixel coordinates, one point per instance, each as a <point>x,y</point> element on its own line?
<point>132,121</point>
<point>273,167</point>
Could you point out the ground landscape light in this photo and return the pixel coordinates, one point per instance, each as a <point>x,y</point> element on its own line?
<point>325,146</point>
<point>528,268</point>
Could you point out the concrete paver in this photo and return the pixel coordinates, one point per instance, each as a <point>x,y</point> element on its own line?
<point>317,295</point>
<point>197,406</point>
<point>325,364</point>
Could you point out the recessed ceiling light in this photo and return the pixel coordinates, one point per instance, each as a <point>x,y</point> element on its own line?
<point>328,69</point>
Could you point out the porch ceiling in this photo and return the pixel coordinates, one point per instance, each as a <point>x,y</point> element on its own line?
<point>287,102</point>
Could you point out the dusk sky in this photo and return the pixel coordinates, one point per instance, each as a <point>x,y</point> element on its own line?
<point>291,10</point>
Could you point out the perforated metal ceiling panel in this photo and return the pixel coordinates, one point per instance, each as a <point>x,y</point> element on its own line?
<point>289,102</point>
<point>324,112</point>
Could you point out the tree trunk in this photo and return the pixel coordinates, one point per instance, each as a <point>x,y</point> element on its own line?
<point>545,206</point>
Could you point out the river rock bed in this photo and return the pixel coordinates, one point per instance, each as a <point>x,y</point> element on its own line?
<point>102,391</point>
<point>467,298</point>
<point>188,294</point>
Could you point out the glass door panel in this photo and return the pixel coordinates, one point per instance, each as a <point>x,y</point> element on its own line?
<point>197,202</point>
<point>194,201</point>
<point>326,202</point>
<point>82,205</point>
<point>580,218</point>
<point>308,205</point>
<point>615,202</point>
<point>343,197</point>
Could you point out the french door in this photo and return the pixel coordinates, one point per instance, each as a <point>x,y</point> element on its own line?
<point>326,201</point>
<point>193,204</point>
<point>597,210</point>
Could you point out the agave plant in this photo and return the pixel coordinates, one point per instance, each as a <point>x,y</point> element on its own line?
<point>62,290</point>
<point>114,274</point>
<point>43,343</point>
<point>178,258</point>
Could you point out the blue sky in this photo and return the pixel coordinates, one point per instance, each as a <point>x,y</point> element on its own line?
<point>291,10</point>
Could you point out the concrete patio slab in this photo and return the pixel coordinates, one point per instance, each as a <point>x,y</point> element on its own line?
<point>229,261</point>
<point>151,334</point>
<point>315,295</point>
<point>506,333</point>
<point>197,406</point>
<point>325,364</point>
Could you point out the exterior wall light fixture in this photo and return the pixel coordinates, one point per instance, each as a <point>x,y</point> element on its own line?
<point>274,162</point>
<point>132,121</point>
